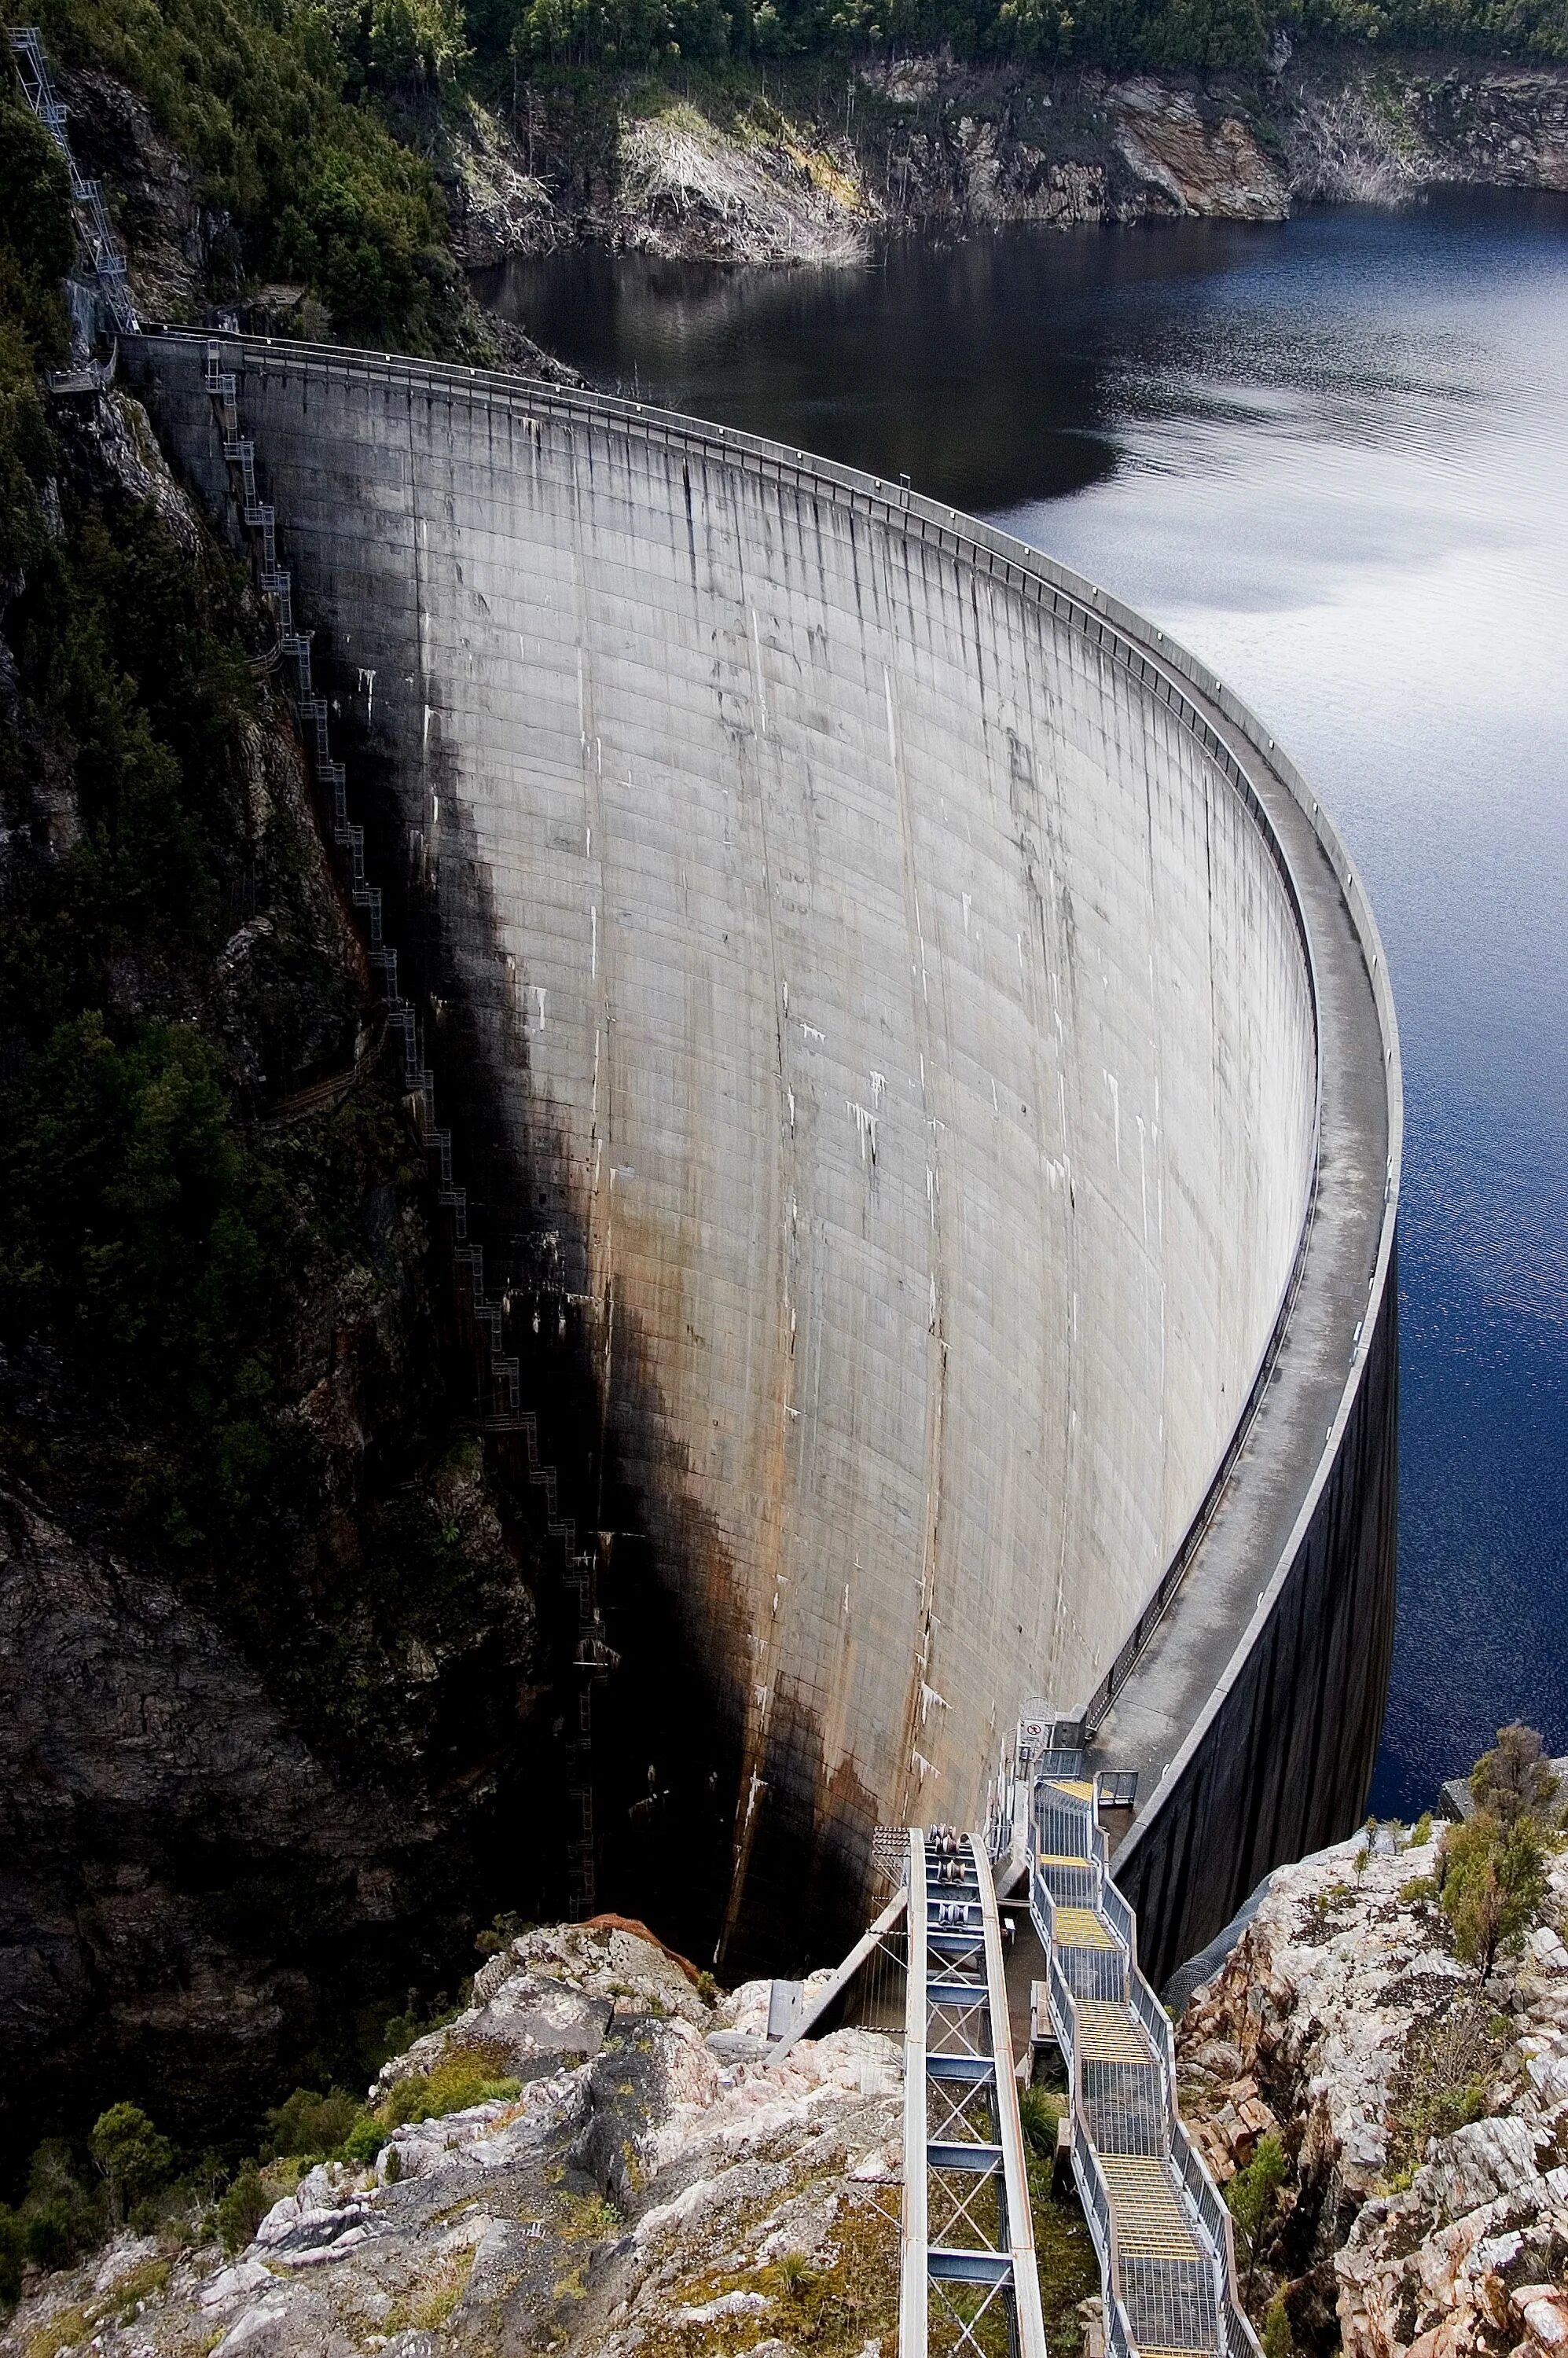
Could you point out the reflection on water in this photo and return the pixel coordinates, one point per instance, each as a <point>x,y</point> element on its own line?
<point>1330,455</point>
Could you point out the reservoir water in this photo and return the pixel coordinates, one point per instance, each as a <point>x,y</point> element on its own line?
<point>1332,457</point>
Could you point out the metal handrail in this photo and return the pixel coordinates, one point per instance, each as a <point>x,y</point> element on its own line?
<point>1068,596</point>
<point>911,2294</point>
<point>1029,2329</point>
<point>1194,2188</point>
<point>100,248</point>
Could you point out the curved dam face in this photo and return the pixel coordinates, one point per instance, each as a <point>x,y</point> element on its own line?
<point>938,1082</point>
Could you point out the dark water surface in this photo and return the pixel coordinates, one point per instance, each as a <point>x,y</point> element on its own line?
<point>1332,457</point>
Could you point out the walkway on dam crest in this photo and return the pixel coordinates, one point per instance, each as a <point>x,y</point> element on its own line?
<point>1160,2229</point>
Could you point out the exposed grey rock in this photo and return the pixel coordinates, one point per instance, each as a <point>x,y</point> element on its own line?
<point>1354,2026</point>
<point>611,2204</point>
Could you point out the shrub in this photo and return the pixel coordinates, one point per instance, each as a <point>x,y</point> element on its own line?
<point>364,2140</point>
<point>1492,1880</point>
<point>312,2125</point>
<point>242,2209</point>
<point>1516,1779</point>
<point>463,2076</point>
<point>1276,2336</point>
<point>1253,2196</point>
<point>506,1927</point>
<point>1451,2059</point>
<point>1040,2110</point>
<point>61,2215</point>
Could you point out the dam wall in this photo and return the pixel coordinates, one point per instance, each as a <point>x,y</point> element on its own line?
<point>939,1082</point>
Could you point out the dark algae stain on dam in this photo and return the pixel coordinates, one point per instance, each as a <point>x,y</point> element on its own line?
<point>1327,455</point>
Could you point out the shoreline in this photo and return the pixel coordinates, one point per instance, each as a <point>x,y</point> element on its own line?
<point>702,172</point>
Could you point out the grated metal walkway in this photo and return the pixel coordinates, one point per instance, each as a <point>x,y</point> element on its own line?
<point>1163,2233</point>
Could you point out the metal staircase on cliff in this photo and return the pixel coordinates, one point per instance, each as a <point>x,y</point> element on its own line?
<point>1160,2229</point>
<point>103,264</point>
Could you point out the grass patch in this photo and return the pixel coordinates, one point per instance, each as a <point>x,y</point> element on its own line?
<point>63,2331</point>
<point>463,2076</point>
<point>585,2217</point>
<point>1069,2272</point>
<point>830,2307</point>
<point>145,2282</point>
<point>440,2297</point>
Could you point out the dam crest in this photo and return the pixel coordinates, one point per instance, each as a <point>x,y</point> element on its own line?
<point>928,1068</point>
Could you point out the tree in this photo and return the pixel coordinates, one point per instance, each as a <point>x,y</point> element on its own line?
<point>312,2126</point>
<point>1252,2196</point>
<point>134,2159</point>
<point>416,40</point>
<point>1492,1881</point>
<point>1276,2336</point>
<point>1516,1779</point>
<point>13,2252</point>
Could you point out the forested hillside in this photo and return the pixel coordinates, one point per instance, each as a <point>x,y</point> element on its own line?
<point>310,125</point>
<point>268,1645</point>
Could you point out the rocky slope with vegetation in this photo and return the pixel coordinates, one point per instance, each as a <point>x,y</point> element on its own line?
<point>277,1678</point>
<point>788,167</point>
<point>1378,2076</point>
<point>597,2154</point>
<point>270,1658</point>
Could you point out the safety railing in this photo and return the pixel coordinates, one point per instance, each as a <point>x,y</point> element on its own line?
<point>102,258</point>
<point>1177,2291</point>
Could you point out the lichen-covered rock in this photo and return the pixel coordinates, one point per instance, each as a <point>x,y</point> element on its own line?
<point>1424,2115</point>
<point>655,2199</point>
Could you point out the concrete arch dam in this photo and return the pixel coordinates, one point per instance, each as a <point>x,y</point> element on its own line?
<point>945,1062</point>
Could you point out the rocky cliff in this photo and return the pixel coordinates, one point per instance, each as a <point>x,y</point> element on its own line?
<point>643,2180</point>
<point>273,1688</point>
<point>1423,2112</point>
<point>599,2153</point>
<point>930,144</point>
